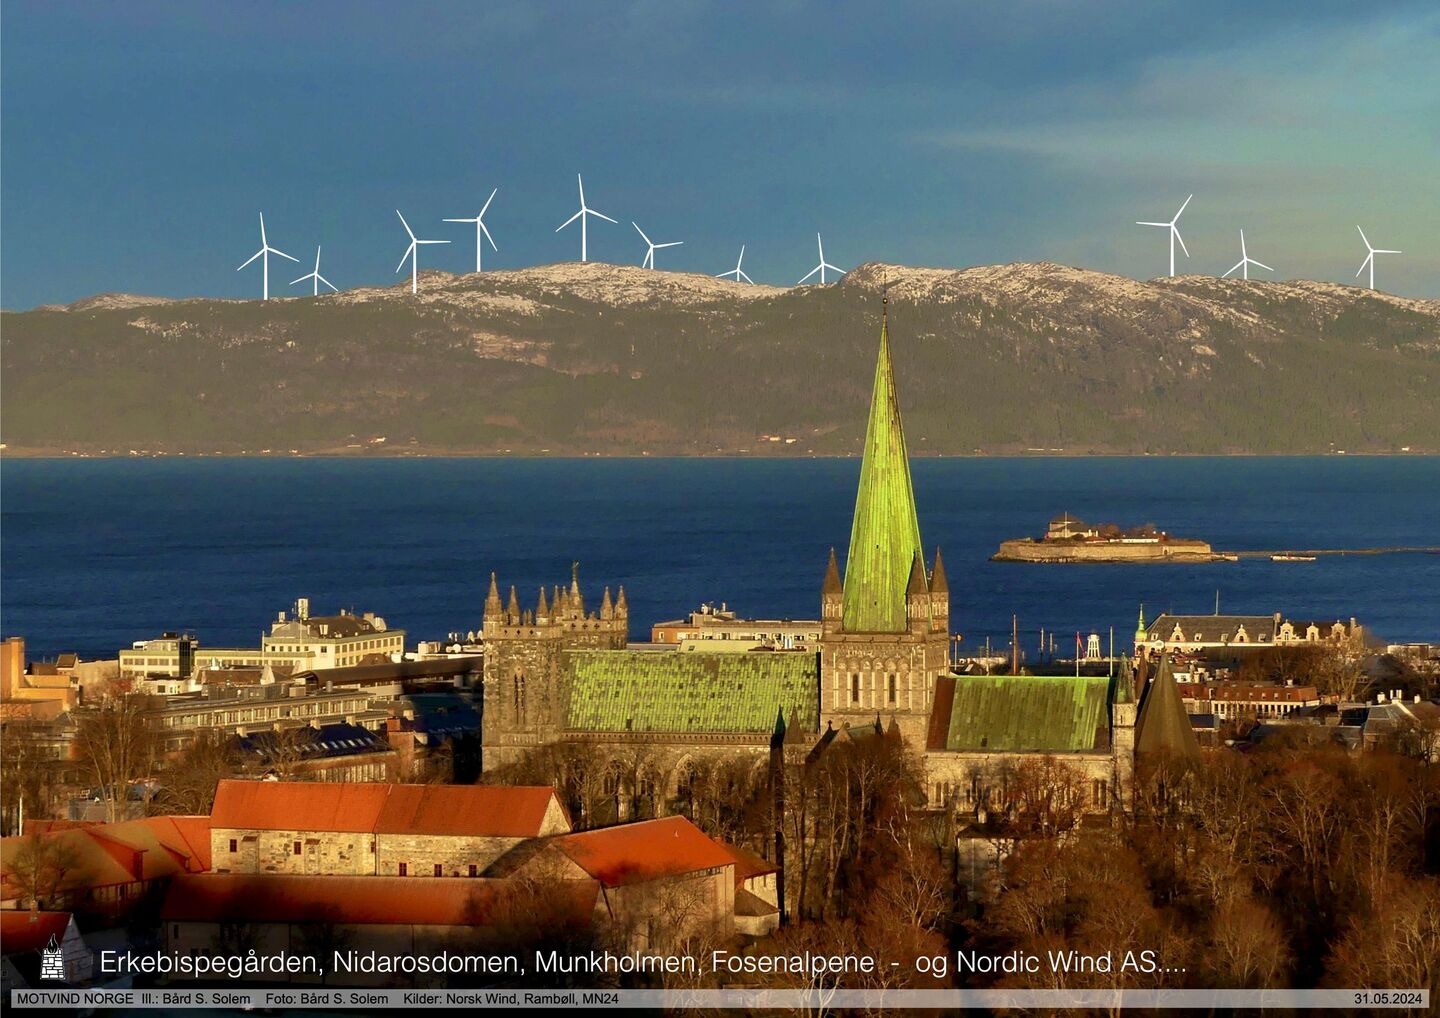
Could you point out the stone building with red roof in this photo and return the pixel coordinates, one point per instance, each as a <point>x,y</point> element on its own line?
<point>362,829</point>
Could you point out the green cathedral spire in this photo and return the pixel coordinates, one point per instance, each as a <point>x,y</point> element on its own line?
<point>885,537</point>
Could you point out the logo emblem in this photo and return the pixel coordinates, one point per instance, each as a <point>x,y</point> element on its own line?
<point>52,961</point>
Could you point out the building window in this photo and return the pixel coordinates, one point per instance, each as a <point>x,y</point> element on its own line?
<point>234,846</point>
<point>404,869</point>
<point>1099,792</point>
<point>893,689</point>
<point>855,688</point>
<point>439,870</point>
<point>297,848</point>
<point>474,870</point>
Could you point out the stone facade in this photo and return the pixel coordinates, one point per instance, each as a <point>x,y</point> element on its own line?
<point>354,853</point>
<point>525,695</point>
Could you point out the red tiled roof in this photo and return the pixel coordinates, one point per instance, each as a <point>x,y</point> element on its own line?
<point>747,863</point>
<point>22,931</point>
<point>102,855</point>
<point>631,853</point>
<point>480,810</point>
<point>370,900</point>
<point>941,708</point>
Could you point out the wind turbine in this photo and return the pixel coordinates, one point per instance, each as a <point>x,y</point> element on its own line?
<point>649,262</point>
<point>480,228</point>
<point>1246,261</point>
<point>584,211</point>
<point>315,276</point>
<point>1370,257</point>
<point>737,272</point>
<point>264,255</point>
<point>413,253</point>
<point>1174,235</point>
<point>821,267</point>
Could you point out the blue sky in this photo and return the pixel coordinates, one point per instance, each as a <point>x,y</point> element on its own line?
<point>141,139</point>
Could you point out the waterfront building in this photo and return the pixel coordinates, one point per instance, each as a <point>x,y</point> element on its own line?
<point>305,642</point>
<point>1189,634</point>
<point>716,630</point>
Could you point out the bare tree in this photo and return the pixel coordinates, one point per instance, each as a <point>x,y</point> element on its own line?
<point>43,869</point>
<point>118,746</point>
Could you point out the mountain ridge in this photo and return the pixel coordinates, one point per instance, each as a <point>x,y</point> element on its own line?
<point>596,358</point>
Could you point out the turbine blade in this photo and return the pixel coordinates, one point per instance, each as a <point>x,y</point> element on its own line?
<point>1261,265</point>
<point>808,275</point>
<point>673,243</point>
<point>486,207</point>
<point>1363,264</point>
<point>640,231</point>
<point>1182,209</point>
<point>1182,242</point>
<point>404,256</point>
<point>601,215</point>
<point>1386,250</point>
<point>1151,224</point>
<point>832,268</point>
<point>1232,268</point>
<point>1364,238</point>
<point>257,254</point>
<point>432,242</point>
<point>581,181</point>
<point>486,230</point>
<point>745,277</point>
<point>262,230</point>
<point>301,279</point>
<point>457,220</point>
<point>570,220</point>
<point>406,225</point>
<point>327,282</point>
<point>282,254</point>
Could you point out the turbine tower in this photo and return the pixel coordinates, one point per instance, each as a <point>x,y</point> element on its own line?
<point>1371,252</point>
<point>480,229</point>
<point>1246,261</point>
<point>584,211</point>
<point>264,255</point>
<point>413,253</point>
<point>315,276</point>
<point>821,267</point>
<point>737,272</point>
<point>649,262</point>
<point>1174,235</point>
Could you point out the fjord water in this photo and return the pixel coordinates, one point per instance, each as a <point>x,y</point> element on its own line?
<point>98,553</point>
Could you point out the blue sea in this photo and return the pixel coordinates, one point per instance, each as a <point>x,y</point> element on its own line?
<point>98,553</point>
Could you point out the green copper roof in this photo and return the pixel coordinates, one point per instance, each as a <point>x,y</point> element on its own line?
<point>645,691</point>
<point>885,537</point>
<point>1030,713</point>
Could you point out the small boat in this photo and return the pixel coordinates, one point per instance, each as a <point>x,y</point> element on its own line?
<point>1292,558</point>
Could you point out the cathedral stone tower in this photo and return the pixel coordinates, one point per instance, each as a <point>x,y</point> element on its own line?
<point>886,625</point>
<point>525,700</point>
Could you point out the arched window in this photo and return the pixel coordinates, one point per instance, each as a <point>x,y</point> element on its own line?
<point>519,698</point>
<point>855,688</point>
<point>894,689</point>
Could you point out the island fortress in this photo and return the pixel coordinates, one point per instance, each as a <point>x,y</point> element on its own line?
<point>561,673</point>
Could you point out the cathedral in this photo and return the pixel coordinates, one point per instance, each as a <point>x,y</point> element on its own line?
<point>560,672</point>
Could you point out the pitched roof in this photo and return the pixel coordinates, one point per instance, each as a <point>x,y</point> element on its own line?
<point>369,900</point>
<point>885,533</point>
<point>1028,713</point>
<point>23,931</point>
<point>499,811</point>
<point>640,691</point>
<point>102,855</point>
<point>832,584</point>
<point>1163,725</point>
<point>1213,628</point>
<point>633,853</point>
<point>747,864</point>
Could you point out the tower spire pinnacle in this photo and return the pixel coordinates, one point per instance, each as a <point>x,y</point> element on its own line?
<point>885,534</point>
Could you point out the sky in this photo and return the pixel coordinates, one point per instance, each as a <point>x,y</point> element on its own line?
<point>141,140</point>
